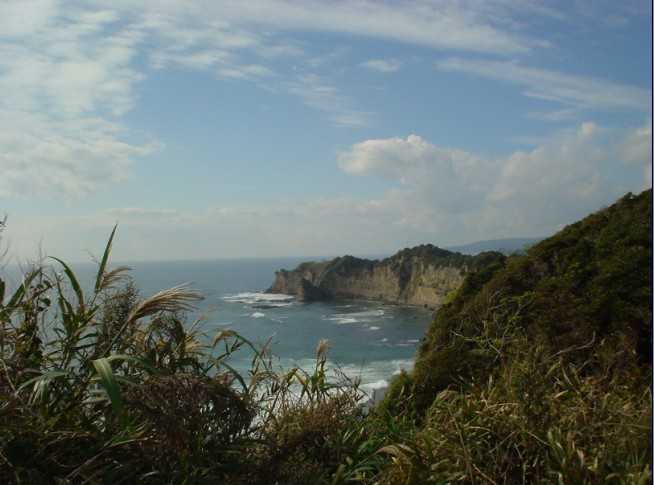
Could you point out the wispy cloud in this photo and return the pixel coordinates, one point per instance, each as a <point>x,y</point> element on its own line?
<point>314,92</point>
<point>382,65</point>
<point>69,72</point>
<point>42,158</point>
<point>576,91</point>
<point>440,24</point>
<point>65,77</point>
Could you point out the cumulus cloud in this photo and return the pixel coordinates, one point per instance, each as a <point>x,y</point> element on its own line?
<point>449,178</point>
<point>572,174</point>
<point>403,159</point>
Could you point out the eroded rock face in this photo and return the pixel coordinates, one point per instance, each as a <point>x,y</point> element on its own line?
<point>423,276</point>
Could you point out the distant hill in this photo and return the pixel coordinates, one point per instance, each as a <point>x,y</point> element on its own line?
<point>505,246</point>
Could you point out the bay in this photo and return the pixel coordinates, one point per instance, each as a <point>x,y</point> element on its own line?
<point>368,340</point>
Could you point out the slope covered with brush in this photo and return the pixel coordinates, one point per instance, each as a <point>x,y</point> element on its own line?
<point>586,291</point>
<point>539,366</point>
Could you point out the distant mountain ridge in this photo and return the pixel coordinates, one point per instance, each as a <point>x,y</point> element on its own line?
<point>505,246</point>
<point>421,276</point>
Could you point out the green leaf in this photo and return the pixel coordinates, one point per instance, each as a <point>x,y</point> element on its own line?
<point>130,358</point>
<point>110,384</point>
<point>73,281</point>
<point>236,374</point>
<point>40,382</point>
<point>103,264</point>
<point>17,296</point>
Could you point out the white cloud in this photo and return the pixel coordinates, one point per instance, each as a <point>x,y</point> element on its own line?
<point>25,17</point>
<point>70,71</point>
<point>64,72</point>
<point>448,179</point>
<point>576,91</point>
<point>315,93</point>
<point>439,24</point>
<point>75,159</point>
<point>403,159</point>
<point>636,145</point>
<point>535,191</point>
<point>251,71</point>
<point>141,214</point>
<point>226,36</point>
<point>66,67</point>
<point>382,65</point>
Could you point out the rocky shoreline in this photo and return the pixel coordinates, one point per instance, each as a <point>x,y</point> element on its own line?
<point>421,276</point>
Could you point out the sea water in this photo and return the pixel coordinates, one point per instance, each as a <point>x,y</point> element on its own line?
<point>368,340</point>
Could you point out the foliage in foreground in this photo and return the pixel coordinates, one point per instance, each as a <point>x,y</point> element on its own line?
<point>536,371</point>
<point>103,386</point>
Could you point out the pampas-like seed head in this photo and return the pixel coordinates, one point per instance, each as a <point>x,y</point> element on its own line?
<point>323,349</point>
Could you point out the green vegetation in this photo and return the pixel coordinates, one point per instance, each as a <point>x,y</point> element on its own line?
<point>108,387</point>
<point>438,257</point>
<point>536,370</point>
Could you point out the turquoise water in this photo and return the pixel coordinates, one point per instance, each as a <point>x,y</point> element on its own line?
<point>367,339</point>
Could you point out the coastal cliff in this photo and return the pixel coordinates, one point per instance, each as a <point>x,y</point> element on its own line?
<point>422,276</point>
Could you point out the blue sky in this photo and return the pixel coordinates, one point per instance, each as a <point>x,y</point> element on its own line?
<point>222,129</point>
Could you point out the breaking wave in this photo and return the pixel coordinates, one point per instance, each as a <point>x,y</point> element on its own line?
<point>357,317</point>
<point>261,300</point>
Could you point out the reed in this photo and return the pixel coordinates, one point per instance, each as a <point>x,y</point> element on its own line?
<point>102,385</point>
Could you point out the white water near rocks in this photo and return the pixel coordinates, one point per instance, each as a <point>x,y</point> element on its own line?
<point>367,339</point>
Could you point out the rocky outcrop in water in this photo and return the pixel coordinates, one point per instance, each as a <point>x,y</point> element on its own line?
<point>423,276</point>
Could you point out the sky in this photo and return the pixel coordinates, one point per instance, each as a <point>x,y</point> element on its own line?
<point>211,129</point>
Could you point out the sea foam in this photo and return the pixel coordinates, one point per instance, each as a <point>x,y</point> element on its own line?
<point>255,298</point>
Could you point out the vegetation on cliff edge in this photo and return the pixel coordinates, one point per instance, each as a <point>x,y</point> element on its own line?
<point>539,368</point>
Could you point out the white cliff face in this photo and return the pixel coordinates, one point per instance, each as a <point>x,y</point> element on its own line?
<point>403,279</point>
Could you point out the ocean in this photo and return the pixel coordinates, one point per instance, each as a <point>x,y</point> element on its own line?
<point>368,340</point>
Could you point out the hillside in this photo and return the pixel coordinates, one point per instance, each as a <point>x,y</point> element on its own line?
<point>588,286</point>
<point>544,361</point>
<point>424,275</point>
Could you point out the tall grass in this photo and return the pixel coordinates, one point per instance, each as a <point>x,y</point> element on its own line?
<point>102,385</point>
<point>539,419</point>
